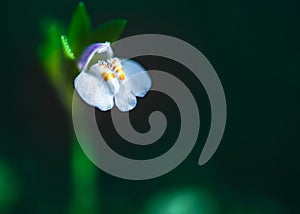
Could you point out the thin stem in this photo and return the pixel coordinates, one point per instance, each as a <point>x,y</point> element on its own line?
<point>85,197</point>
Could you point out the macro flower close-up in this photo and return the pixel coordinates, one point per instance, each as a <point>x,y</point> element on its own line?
<point>105,79</point>
<point>150,107</point>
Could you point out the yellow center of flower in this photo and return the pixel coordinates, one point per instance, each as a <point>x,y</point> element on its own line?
<point>107,76</point>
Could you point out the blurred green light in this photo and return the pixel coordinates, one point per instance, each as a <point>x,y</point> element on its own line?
<point>9,188</point>
<point>189,200</point>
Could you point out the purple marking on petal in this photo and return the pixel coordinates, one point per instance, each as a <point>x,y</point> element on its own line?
<point>85,56</point>
<point>89,52</point>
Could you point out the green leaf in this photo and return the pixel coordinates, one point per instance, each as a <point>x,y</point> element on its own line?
<point>109,31</point>
<point>59,72</point>
<point>80,29</point>
<point>49,50</point>
<point>66,47</point>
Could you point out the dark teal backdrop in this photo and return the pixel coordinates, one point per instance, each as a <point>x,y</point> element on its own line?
<point>254,47</point>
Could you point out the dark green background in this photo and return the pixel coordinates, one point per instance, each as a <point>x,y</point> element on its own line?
<point>254,47</point>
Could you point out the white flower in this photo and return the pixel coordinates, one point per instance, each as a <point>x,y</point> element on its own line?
<point>105,79</point>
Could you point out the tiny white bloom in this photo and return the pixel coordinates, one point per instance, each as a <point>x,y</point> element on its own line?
<point>104,79</point>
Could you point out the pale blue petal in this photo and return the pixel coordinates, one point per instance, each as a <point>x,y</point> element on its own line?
<point>92,89</point>
<point>137,80</point>
<point>125,100</point>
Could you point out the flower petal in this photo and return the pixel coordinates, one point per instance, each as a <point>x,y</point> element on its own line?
<point>137,78</point>
<point>93,53</point>
<point>92,89</point>
<point>125,100</point>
